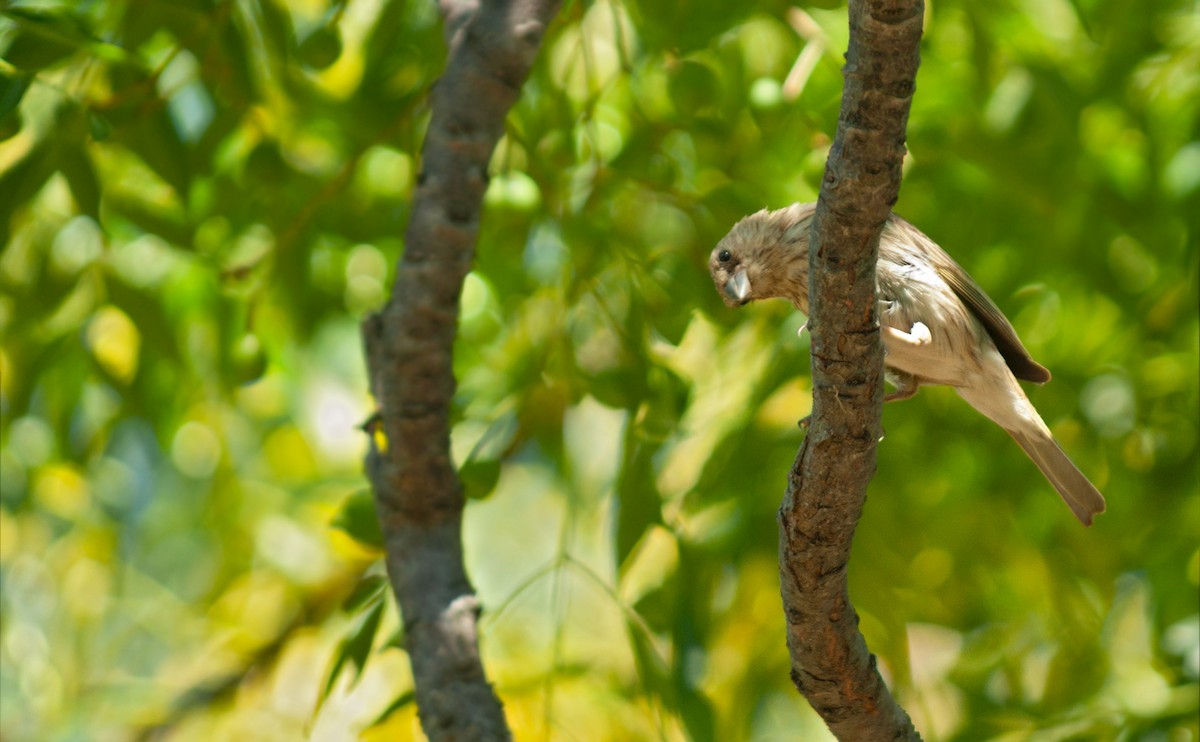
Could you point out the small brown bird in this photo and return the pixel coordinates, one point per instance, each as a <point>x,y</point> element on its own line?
<point>938,327</point>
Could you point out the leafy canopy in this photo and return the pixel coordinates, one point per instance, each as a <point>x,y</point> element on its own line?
<point>200,199</point>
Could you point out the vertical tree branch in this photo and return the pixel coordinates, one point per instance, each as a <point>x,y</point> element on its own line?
<point>409,348</point>
<point>827,486</point>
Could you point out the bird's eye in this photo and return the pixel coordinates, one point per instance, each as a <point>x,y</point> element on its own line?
<point>724,256</point>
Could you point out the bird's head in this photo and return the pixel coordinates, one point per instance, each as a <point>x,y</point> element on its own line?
<point>765,255</point>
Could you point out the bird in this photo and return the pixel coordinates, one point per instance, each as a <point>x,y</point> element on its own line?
<point>938,328</point>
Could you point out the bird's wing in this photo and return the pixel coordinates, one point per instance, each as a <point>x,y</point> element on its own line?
<point>997,325</point>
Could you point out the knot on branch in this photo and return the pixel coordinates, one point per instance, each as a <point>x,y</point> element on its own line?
<point>896,12</point>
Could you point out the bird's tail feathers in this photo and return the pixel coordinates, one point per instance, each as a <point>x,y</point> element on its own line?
<point>1081,495</point>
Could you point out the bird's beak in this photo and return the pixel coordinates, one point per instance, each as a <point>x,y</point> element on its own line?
<point>738,286</point>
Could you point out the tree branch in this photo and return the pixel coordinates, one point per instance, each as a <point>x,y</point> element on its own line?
<point>409,348</point>
<point>827,486</point>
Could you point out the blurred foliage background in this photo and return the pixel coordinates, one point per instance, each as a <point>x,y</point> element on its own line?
<point>200,200</point>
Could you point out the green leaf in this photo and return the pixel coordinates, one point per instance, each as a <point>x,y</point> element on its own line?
<point>152,135</point>
<point>265,165</point>
<point>247,359</point>
<point>479,477</point>
<point>396,640</point>
<point>154,322</point>
<point>686,24</point>
<point>233,80</point>
<point>12,90</point>
<point>356,647</point>
<point>666,401</point>
<point>621,387</point>
<point>480,472</point>
<point>99,126</point>
<point>77,167</point>
<point>369,588</point>
<point>359,519</point>
<point>637,500</point>
<point>654,675</point>
<point>358,643</point>
<point>10,126</point>
<point>21,180</point>
<point>698,716</point>
<point>693,86</point>
<point>166,223</point>
<point>321,49</point>
<point>44,38</point>
<point>276,28</point>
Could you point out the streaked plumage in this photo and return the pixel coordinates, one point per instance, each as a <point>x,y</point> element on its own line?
<point>938,327</point>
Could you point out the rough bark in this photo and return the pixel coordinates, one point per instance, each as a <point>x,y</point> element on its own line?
<point>827,486</point>
<point>409,347</point>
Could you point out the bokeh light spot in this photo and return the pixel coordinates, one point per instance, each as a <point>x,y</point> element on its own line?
<point>196,450</point>
<point>115,343</point>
